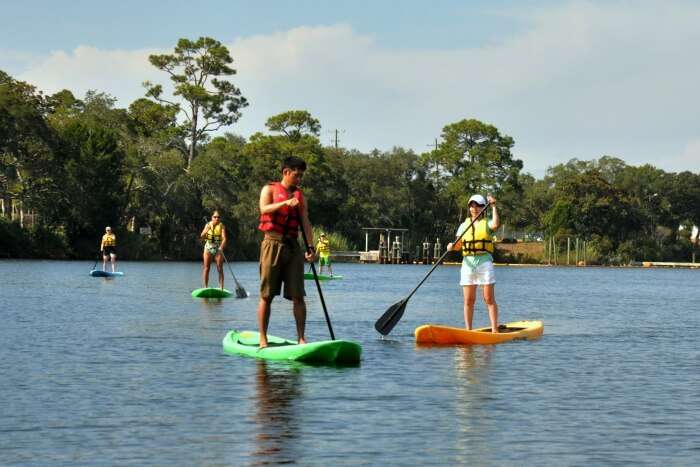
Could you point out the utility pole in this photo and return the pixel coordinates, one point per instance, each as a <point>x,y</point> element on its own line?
<point>335,138</point>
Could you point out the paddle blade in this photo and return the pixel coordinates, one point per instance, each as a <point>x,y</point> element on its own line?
<point>388,320</point>
<point>241,292</point>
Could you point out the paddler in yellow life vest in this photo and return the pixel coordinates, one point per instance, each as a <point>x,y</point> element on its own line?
<point>477,246</point>
<point>214,234</point>
<point>323,247</point>
<point>108,247</point>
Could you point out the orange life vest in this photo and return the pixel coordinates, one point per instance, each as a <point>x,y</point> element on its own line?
<point>285,220</point>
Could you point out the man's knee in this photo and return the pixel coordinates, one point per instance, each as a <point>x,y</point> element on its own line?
<point>266,300</point>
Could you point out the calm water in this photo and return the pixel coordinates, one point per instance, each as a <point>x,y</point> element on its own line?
<point>130,371</point>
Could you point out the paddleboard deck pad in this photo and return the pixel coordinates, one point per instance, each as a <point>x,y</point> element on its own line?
<point>211,292</point>
<point>446,335</point>
<point>336,352</point>
<point>321,277</point>
<point>98,273</point>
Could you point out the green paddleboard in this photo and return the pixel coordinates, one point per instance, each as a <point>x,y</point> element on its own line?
<point>321,277</point>
<point>211,292</point>
<point>326,352</point>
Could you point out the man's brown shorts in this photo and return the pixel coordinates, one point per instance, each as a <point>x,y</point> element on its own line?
<point>281,261</point>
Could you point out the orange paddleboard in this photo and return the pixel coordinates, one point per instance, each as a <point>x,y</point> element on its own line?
<point>517,330</point>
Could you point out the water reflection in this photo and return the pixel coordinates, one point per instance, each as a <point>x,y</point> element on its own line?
<point>472,361</point>
<point>211,304</point>
<point>277,416</point>
<point>106,280</point>
<point>472,365</point>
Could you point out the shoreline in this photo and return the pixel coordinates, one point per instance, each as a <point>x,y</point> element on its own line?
<point>634,265</point>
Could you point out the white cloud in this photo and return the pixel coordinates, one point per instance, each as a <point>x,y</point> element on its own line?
<point>584,80</point>
<point>116,72</point>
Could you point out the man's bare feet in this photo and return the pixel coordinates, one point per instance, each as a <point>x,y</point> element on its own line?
<point>263,342</point>
<point>302,340</point>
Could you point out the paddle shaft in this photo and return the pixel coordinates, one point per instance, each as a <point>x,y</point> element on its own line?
<point>437,263</point>
<point>313,269</point>
<point>98,258</point>
<point>231,270</point>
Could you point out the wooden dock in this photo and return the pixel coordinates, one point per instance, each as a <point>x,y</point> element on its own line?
<point>345,256</point>
<point>665,264</point>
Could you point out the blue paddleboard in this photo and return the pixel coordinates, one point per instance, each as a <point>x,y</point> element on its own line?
<point>98,273</point>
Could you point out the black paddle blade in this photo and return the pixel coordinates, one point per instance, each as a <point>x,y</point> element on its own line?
<point>241,292</point>
<point>388,320</point>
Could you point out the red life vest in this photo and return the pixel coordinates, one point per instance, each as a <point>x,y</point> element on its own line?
<point>285,220</point>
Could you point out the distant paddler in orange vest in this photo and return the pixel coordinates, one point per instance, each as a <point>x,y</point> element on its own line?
<point>282,213</point>
<point>108,247</point>
<point>214,234</point>
<point>323,248</point>
<point>477,245</point>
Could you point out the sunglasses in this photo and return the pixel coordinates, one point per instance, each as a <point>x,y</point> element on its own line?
<point>215,217</point>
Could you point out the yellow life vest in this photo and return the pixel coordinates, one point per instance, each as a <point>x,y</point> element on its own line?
<point>477,239</point>
<point>323,247</point>
<point>109,240</point>
<point>214,234</point>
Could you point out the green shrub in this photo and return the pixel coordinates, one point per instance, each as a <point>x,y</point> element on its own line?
<point>337,240</point>
<point>14,242</point>
<point>48,243</point>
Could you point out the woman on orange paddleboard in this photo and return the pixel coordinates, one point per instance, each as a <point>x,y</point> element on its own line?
<point>477,246</point>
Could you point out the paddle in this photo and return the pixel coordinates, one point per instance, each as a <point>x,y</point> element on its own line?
<point>98,258</point>
<point>313,269</point>
<point>240,291</point>
<point>393,314</point>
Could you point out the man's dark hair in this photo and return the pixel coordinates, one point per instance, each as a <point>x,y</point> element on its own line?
<point>293,163</point>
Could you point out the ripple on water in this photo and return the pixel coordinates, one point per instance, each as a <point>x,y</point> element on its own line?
<point>130,371</point>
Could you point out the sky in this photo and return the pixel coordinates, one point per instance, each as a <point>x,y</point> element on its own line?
<point>565,79</point>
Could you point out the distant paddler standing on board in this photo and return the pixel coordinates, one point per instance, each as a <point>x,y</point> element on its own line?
<point>108,247</point>
<point>477,248</point>
<point>323,247</point>
<point>215,235</point>
<point>282,213</point>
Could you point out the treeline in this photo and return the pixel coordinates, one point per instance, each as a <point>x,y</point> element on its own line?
<point>80,164</point>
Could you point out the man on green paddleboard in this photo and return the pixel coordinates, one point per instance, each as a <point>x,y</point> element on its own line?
<point>282,213</point>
